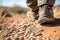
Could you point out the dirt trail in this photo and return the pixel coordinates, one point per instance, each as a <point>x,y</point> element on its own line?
<point>12,28</point>
<point>19,27</point>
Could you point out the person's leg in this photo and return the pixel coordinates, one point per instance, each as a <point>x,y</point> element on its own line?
<point>45,14</point>
<point>32,13</point>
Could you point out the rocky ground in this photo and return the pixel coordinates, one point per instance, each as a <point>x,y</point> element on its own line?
<point>20,27</point>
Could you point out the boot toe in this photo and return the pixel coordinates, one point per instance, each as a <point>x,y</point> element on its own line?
<point>46,20</point>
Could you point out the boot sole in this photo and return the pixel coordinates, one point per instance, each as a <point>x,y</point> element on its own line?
<point>46,20</point>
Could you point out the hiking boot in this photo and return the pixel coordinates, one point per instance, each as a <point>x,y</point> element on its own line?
<point>32,15</point>
<point>45,14</point>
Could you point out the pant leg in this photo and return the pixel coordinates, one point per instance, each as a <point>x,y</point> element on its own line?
<point>33,8</point>
<point>32,4</point>
<point>48,2</point>
<point>41,2</point>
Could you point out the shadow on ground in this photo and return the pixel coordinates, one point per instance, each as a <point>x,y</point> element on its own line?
<point>53,24</point>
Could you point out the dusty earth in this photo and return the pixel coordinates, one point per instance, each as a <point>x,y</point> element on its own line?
<point>20,27</point>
